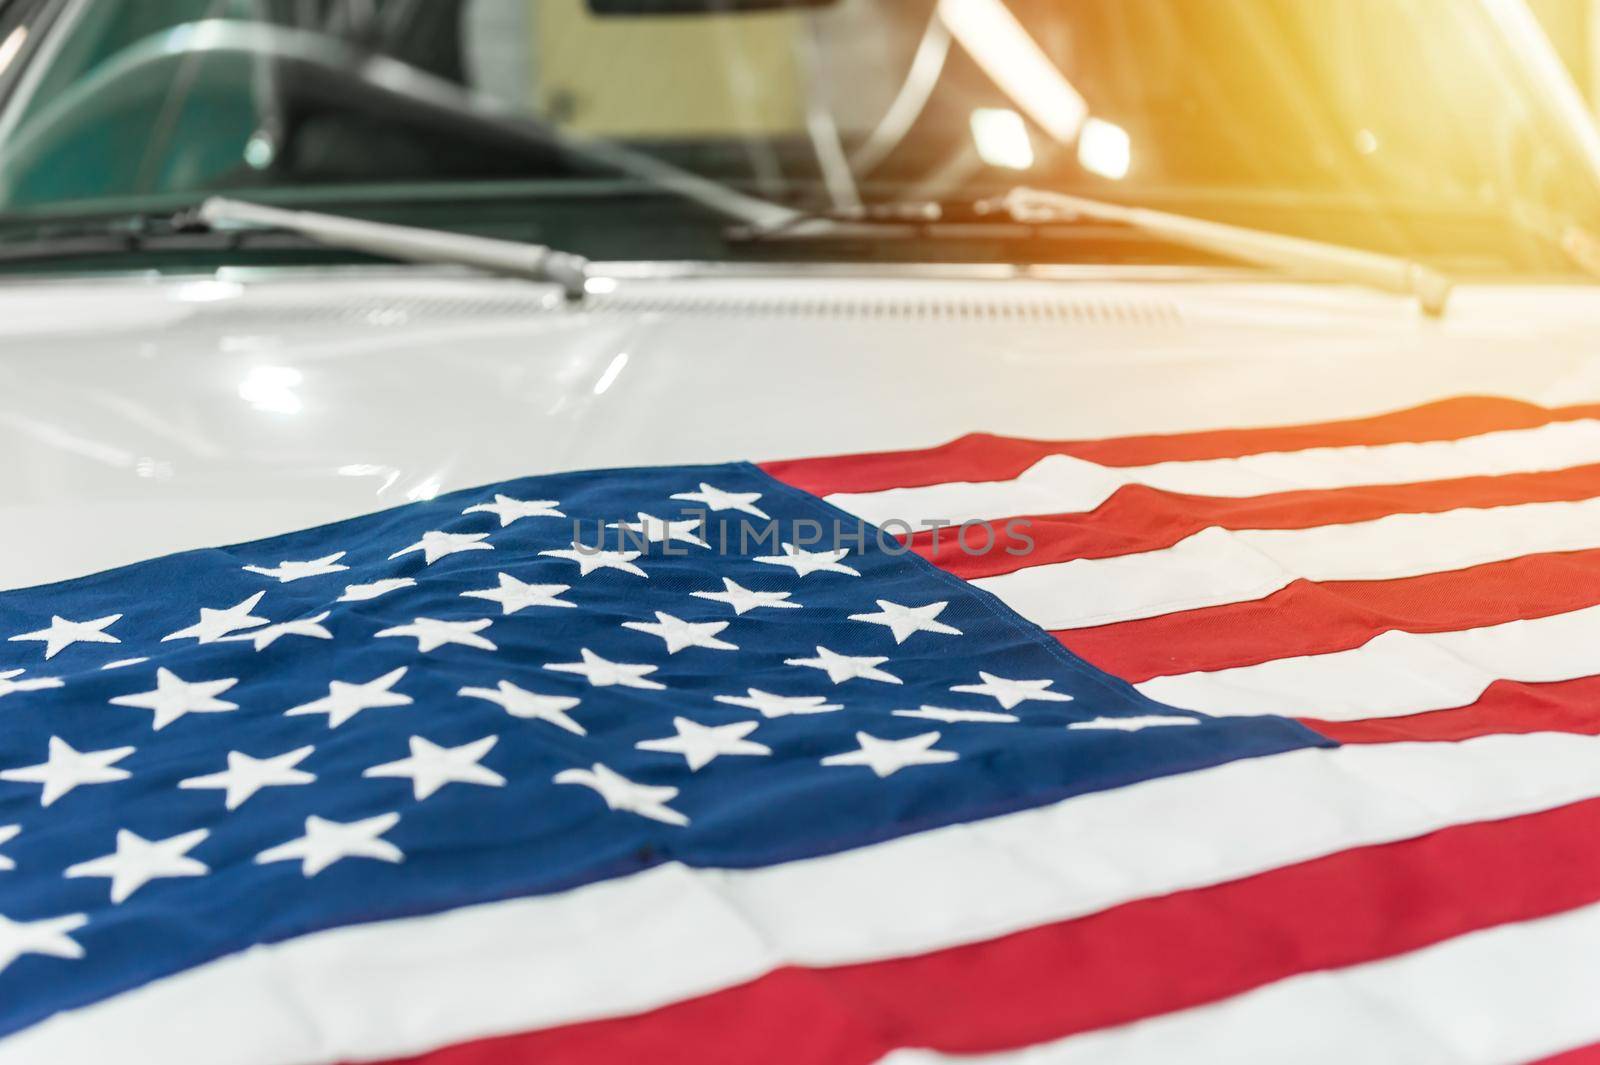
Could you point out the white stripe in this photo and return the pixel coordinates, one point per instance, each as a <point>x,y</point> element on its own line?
<point>1217,566</point>
<point>1395,673</point>
<point>1511,993</point>
<point>1063,484</point>
<point>401,987</point>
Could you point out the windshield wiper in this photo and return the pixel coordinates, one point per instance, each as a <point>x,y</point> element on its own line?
<point>1295,255</point>
<point>510,258</point>
<point>134,234</point>
<point>1033,207</point>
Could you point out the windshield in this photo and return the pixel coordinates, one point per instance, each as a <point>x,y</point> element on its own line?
<point>1426,129</point>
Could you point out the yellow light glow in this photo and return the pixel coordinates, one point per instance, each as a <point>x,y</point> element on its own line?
<point>1000,45</point>
<point>1104,148</point>
<point>1001,137</point>
<point>11,46</point>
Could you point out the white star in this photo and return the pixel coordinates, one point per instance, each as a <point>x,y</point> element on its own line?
<point>509,510</point>
<point>246,775</point>
<point>66,768</point>
<point>620,793</point>
<point>326,842</point>
<point>887,757</point>
<point>590,559</point>
<point>265,638</point>
<point>700,744</point>
<point>123,663</point>
<point>357,593</point>
<point>436,545</point>
<point>519,702</point>
<point>7,834</point>
<point>9,682</point>
<point>431,767</point>
<point>215,624</point>
<point>63,633</point>
<point>48,937</point>
<point>513,595</point>
<point>345,700</point>
<point>137,861</point>
<point>717,499</point>
<point>174,697</point>
<point>679,634</point>
<point>285,572</point>
<point>939,713</point>
<point>780,705</point>
<point>841,668</point>
<point>1134,722</point>
<point>742,598</point>
<point>804,562</point>
<point>1008,693</point>
<point>657,531</point>
<point>603,673</point>
<point>432,634</point>
<point>903,621</point>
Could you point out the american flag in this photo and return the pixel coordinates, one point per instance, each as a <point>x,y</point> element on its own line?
<point>1277,745</point>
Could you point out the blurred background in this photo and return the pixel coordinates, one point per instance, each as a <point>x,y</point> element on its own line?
<point>1457,132</point>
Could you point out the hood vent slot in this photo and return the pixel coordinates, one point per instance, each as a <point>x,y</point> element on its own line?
<point>998,309</point>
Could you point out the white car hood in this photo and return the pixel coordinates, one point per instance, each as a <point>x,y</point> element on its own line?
<point>144,416</point>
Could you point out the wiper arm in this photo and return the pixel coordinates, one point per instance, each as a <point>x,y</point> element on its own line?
<point>1295,255</point>
<point>510,258</point>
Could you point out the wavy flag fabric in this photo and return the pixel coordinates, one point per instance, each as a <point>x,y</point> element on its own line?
<point>1256,745</point>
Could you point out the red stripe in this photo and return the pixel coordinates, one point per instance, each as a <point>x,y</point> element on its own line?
<point>1505,706</point>
<point>1138,518</point>
<point>1307,618</point>
<point>1137,960</point>
<point>1589,1055</point>
<point>787,1017</point>
<point>985,457</point>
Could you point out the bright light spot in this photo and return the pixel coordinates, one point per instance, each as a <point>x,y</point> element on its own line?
<point>178,39</point>
<point>1014,61</point>
<point>1366,141</point>
<point>207,291</point>
<point>1001,137</point>
<point>609,378</point>
<point>600,286</point>
<point>424,489</point>
<point>1104,149</point>
<point>259,151</point>
<point>271,388</point>
<point>366,469</point>
<point>11,46</point>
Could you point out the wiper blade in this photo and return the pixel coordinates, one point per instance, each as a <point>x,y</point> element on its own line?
<point>509,258</point>
<point>830,222</point>
<point>144,233</point>
<point>1295,255</point>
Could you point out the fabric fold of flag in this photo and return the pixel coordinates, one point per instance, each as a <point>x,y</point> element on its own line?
<point>1274,744</point>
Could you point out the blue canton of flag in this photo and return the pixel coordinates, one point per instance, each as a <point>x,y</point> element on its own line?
<point>453,703</point>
